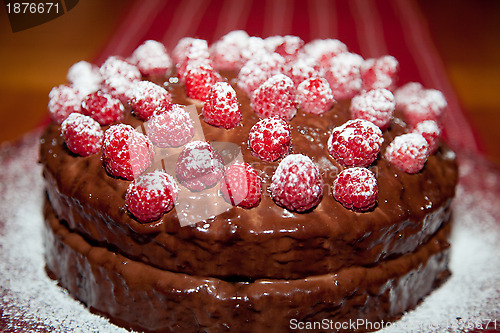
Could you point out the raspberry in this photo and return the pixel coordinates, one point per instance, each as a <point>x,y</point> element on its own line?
<point>199,80</point>
<point>431,132</point>
<point>355,143</point>
<point>82,134</point>
<point>199,166</point>
<point>270,139</point>
<point>85,77</point>
<point>286,46</point>
<point>322,50</point>
<point>172,128</point>
<point>356,189</point>
<point>257,70</point>
<point>151,195</point>
<point>240,185</point>
<point>315,96</point>
<point>275,97</point>
<point>408,152</point>
<point>102,107</point>
<point>179,51</point>
<point>344,75</point>
<point>188,49</point>
<point>297,184</point>
<point>118,77</point>
<point>376,106</point>
<point>147,98</point>
<point>125,152</point>
<point>151,58</point>
<point>226,52</point>
<point>196,53</point>
<point>64,100</point>
<point>256,48</point>
<point>380,73</point>
<point>301,69</point>
<point>221,107</point>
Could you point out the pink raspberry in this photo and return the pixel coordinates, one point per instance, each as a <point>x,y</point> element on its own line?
<point>257,70</point>
<point>275,97</point>
<point>147,98</point>
<point>118,77</point>
<point>151,195</point>
<point>104,108</point>
<point>199,166</point>
<point>82,134</point>
<point>240,185</point>
<point>172,128</point>
<point>408,152</point>
<point>356,189</point>
<point>376,105</point>
<point>431,132</point>
<point>270,139</point>
<point>221,107</point>
<point>297,184</point>
<point>380,73</point>
<point>196,54</point>
<point>322,50</point>
<point>199,81</point>
<point>286,46</point>
<point>301,69</point>
<point>226,52</point>
<point>125,152</point>
<point>355,143</point>
<point>64,100</point>
<point>315,96</point>
<point>180,49</point>
<point>344,75</point>
<point>85,77</point>
<point>151,58</point>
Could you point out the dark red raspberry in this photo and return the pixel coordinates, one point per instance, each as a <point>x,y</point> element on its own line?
<point>257,70</point>
<point>172,128</point>
<point>408,152</point>
<point>199,80</point>
<point>151,58</point>
<point>151,195</point>
<point>315,96</point>
<point>118,77</point>
<point>147,98</point>
<point>221,107</point>
<point>344,75</point>
<point>275,97</point>
<point>380,73</point>
<point>102,107</point>
<point>431,132</point>
<point>240,185</point>
<point>297,184</point>
<point>199,166</point>
<point>82,134</point>
<point>376,105</point>
<point>226,52</point>
<point>356,143</point>
<point>322,50</point>
<point>270,139</point>
<point>356,189</point>
<point>125,152</point>
<point>63,101</point>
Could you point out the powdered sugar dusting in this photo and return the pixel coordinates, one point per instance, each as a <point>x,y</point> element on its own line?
<point>85,77</point>
<point>376,105</point>
<point>151,58</point>
<point>344,75</point>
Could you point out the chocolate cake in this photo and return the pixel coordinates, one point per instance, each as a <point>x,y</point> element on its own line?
<point>308,242</point>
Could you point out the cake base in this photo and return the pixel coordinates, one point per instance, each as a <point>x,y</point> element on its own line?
<point>139,296</point>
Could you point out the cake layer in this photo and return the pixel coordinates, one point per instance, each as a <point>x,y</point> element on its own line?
<point>275,242</point>
<point>143,297</point>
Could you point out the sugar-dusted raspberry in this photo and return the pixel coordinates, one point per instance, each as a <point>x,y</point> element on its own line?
<point>179,51</point>
<point>118,77</point>
<point>376,105</point>
<point>147,98</point>
<point>297,184</point>
<point>151,195</point>
<point>240,185</point>
<point>275,97</point>
<point>431,132</point>
<point>221,107</point>
<point>125,152</point>
<point>64,100</point>
<point>380,73</point>
<point>286,46</point>
<point>408,152</point>
<point>151,58</point>
<point>102,107</point>
<point>355,143</point>
<point>270,138</point>
<point>301,69</point>
<point>199,80</point>
<point>344,75</point>
<point>82,134</point>
<point>315,96</point>
<point>322,50</point>
<point>199,166</point>
<point>257,70</point>
<point>256,48</point>
<point>85,77</point>
<point>356,189</point>
<point>172,128</point>
<point>196,53</point>
<point>226,52</point>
